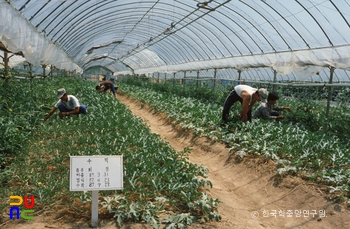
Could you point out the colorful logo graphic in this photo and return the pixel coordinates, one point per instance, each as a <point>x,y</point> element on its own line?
<point>18,211</point>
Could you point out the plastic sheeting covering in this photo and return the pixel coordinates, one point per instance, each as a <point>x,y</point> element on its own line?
<point>18,35</point>
<point>169,36</point>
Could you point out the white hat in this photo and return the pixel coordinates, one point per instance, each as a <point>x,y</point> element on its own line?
<point>263,93</point>
<point>61,92</point>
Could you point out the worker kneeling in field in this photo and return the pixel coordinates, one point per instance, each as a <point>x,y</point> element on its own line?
<point>247,96</point>
<point>105,86</point>
<point>264,111</point>
<point>68,105</point>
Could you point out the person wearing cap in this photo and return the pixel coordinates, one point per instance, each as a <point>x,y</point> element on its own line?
<point>68,105</point>
<point>105,86</point>
<point>247,96</point>
<point>265,110</point>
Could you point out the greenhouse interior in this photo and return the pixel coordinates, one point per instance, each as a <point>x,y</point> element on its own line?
<point>182,59</point>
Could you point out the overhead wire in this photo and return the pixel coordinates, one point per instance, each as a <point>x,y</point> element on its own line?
<point>173,25</point>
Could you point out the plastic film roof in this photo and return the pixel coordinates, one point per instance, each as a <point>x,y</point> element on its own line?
<point>168,36</point>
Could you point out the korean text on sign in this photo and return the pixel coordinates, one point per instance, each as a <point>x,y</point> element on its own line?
<point>89,173</point>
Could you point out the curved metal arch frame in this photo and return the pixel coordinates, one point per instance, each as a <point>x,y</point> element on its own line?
<point>216,36</point>
<point>62,21</point>
<point>302,24</point>
<point>87,14</point>
<point>327,18</point>
<point>100,58</point>
<point>120,59</point>
<point>36,13</point>
<point>55,18</point>
<point>239,37</point>
<point>160,56</point>
<point>208,21</point>
<point>24,6</point>
<point>324,32</point>
<point>335,6</point>
<point>48,33</point>
<point>128,18</point>
<point>189,46</point>
<point>164,52</point>
<point>228,38</point>
<point>141,59</point>
<point>201,16</point>
<point>94,64</point>
<point>252,24</point>
<point>246,75</point>
<point>77,35</point>
<point>163,39</point>
<point>175,47</point>
<point>146,37</point>
<point>347,74</point>
<point>207,47</point>
<point>45,18</point>
<point>287,23</point>
<point>269,24</point>
<point>99,66</point>
<point>147,11</point>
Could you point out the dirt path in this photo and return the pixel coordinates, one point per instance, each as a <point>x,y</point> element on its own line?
<point>250,190</point>
<point>252,195</point>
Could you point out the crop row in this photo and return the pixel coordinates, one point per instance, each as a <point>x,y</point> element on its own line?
<point>294,148</point>
<point>157,179</point>
<point>308,112</point>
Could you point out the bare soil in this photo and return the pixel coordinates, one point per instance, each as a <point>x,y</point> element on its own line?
<point>252,195</point>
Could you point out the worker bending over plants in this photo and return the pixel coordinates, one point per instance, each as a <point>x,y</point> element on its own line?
<point>264,110</point>
<point>247,96</point>
<point>68,105</point>
<point>105,86</point>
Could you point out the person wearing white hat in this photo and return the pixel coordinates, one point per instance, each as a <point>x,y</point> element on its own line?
<point>247,96</point>
<point>68,105</point>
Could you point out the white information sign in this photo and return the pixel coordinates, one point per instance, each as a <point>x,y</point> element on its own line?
<point>89,173</point>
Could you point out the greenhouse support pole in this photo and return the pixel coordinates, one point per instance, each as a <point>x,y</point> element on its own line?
<point>158,77</point>
<point>183,82</point>
<point>214,83</point>
<point>329,98</point>
<point>239,75</point>
<point>274,79</point>
<point>51,73</point>
<point>173,79</point>
<point>6,70</point>
<point>165,79</point>
<point>25,68</point>
<point>197,79</point>
<point>31,71</point>
<point>44,70</point>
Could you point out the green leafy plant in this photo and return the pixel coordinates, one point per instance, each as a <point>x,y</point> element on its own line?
<point>296,144</point>
<point>154,172</point>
